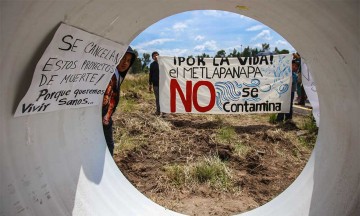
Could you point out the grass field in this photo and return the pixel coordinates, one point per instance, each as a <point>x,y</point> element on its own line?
<point>207,164</point>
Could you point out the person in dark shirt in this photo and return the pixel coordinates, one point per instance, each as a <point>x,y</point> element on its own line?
<point>112,96</point>
<point>154,80</point>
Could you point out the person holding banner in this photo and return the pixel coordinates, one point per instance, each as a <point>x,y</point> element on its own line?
<point>300,91</point>
<point>112,96</point>
<point>288,116</point>
<point>154,80</point>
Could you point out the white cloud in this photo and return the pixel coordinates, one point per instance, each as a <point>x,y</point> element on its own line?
<point>216,13</point>
<point>199,38</point>
<point>180,26</point>
<point>238,48</point>
<point>258,45</point>
<point>163,34</point>
<point>213,13</point>
<point>207,46</point>
<point>153,42</point>
<point>255,28</point>
<point>281,42</point>
<point>264,34</point>
<point>165,52</point>
<point>174,52</point>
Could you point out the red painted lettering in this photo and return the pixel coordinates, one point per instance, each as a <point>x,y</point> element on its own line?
<point>211,88</point>
<point>174,86</point>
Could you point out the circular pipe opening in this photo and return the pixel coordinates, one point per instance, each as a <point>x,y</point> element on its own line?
<point>82,179</point>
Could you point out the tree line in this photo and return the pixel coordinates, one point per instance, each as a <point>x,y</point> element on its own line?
<point>141,64</point>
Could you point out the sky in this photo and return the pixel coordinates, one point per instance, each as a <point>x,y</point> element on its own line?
<point>206,31</point>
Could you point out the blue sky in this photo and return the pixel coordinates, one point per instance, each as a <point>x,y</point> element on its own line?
<point>206,31</point>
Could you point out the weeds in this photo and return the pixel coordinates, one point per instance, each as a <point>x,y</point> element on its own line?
<point>226,134</point>
<point>212,170</point>
<point>127,106</point>
<point>209,170</point>
<point>160,124</point>
<point>177,174</point>
<point>309,124</point>
<point>169,160</point>
<point>272,118</point>
<point>125,143</point>
<point>241,149</point>
<point>135,83</point>
<point>309,139</point>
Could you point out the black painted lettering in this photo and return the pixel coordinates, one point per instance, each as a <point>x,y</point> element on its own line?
<point>43,92</point>
<point>26,108</point>
<point>66,42</point>
<point>190,61</point>
<point>45,68</point>
<point>173,73</point>
<point>74,45</point>
<point>254,92</point>
<point>201,60</point>
<point>181,59</point>
<point>245,92</point>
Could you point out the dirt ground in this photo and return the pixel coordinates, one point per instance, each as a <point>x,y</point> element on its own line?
<point>258,159</point>
<point>146,143</point>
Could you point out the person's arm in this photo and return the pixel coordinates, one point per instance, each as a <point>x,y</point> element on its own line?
<point>151,73</point>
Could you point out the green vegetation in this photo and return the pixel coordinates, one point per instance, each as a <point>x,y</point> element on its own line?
<point>272,118</point>
<point>212,170</point>
<point>309,125</point>
<point>128,106</point>
<point>177,156</point>
<point>133,91</point>
<point>226,135</point>
<point>126,143</point>
<point>177,174</point>
<point>241,149</point>
<point>135,83</point>
<point>208,170</point>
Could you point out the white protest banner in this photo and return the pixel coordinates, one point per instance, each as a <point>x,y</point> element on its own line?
<point>310,89</point>
<point>259,84</point>
<point>72,73</point>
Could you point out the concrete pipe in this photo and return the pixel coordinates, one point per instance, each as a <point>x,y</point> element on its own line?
<point>57,163</point>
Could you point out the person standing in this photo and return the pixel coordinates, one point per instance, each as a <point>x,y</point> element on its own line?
<point>300,91</point>
<point>154,80</point>
<point>288,116</point>
<point>112,96</point>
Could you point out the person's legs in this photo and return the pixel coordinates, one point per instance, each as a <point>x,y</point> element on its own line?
<point>108,132</point>
<point>288,116</point>
<point>156,92</point>
<point>303,96</point>
<point>280,117</point>
<point>298,91</point>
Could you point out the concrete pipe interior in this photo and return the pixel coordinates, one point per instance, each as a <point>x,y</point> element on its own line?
<point>52,163</point>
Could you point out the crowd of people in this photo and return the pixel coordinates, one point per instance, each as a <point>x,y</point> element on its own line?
<point>112,92</point>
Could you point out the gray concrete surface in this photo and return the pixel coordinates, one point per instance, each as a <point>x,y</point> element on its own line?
<point>57,163</point>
